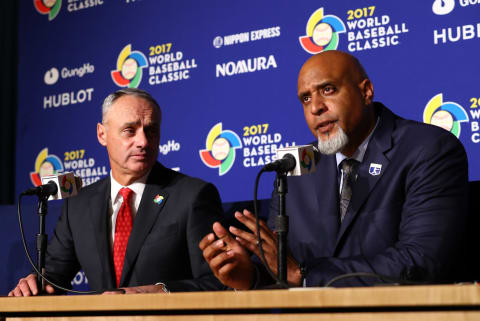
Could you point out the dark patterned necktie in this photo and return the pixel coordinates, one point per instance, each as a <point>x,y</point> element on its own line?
<point>123,227</point>
<point>348,178</point>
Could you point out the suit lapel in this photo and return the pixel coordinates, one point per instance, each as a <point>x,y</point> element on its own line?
<point>367,178</point>
<point>147,214</point>
<point>98,209</point>
<point>326,191</point>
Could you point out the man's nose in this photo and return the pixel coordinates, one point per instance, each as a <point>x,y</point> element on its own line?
<point>317,105</point>
<point>141,139</point>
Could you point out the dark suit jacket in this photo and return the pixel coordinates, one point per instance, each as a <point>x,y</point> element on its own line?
<point>406,222</point>
<point>163,244</point>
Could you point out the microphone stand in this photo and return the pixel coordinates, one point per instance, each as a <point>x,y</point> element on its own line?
<point>41,239</point>
<point>281,226</point>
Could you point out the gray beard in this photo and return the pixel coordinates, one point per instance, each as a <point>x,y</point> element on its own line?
<point>333,144</point>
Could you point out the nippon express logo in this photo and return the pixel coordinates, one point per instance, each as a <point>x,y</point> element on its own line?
<point>50,7</point>
<point>322,32</point>
<point>247,36</point>
<point>130,66</point>
<point>447,115</point>
<point>220,147</point>
<point>45,164</point>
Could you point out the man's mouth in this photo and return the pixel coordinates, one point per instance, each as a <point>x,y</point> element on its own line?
<point>139,156</point>
<point>325,127</point>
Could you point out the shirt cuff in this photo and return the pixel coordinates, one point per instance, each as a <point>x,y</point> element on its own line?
<point>164,287</point>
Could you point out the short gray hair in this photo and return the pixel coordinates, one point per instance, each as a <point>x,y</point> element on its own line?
<point>108,102</point>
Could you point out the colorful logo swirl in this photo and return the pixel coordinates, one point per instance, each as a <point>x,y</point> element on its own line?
<point>220,149</point>
<point>66,185</point>
<point>45,164</point>
<point>447,115</point>
<point>321,32</point>
<point>306,159</point>
<point>158,199</point>
<point>50,7</point>
<point>129,68</point>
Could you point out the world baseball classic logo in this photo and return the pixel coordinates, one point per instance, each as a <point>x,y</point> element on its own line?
<point>220,148</point>
<point>322,32</point>
<point>129,68</point>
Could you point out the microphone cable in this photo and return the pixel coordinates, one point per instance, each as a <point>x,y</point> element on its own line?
<point>30,260</point>
<point>390,279</point>
<point>259,237</point>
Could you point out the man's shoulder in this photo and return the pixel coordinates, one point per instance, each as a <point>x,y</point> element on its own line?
<point>421,134</point>
<point>96,192</point>
<point>416,133</point>
<point>94,188</point>
<point>171,179</point>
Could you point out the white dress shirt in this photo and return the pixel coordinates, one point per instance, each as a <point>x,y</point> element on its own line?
<point>116,201</point>
<point>357,155</point>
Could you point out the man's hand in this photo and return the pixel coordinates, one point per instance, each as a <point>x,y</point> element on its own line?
<point>229,261</point>
<point>160,288</point>
<point>27,286</point>
<point>269,245</point>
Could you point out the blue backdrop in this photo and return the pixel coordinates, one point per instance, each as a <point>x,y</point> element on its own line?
<point>224,73</point>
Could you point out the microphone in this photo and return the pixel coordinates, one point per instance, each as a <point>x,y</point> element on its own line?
<point>294,160</point>
<point>57,187</point>
<point>286,164</point>
<point>43,190</point>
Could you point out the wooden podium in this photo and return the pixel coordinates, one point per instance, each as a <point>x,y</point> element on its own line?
<point>438,302</point>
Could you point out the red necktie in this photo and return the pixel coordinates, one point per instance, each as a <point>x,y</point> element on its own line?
<point>123,227</point>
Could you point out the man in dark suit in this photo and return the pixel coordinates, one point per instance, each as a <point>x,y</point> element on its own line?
<point>139,228</point>
<point>397,208</point>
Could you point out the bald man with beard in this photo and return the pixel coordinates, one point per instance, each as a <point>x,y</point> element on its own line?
<point>397,208</point>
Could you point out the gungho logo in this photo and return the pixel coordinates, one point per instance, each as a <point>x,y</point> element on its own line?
<point>50,7</point>
<point>443,7</point>
<point>220,148</point>
<point>447,115</point>
<point>51,76</point>
<point>45,164</point>
<point>129,68</point>
<point>322,32</point>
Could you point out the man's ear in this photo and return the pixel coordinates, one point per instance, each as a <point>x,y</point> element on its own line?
<point>102,134</point>
<point>366,87</point>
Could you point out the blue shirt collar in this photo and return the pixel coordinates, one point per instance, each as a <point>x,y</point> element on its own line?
<point>360,152</point>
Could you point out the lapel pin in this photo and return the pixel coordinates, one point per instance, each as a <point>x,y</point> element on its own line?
<point>375,169</point>
<point>158,199</point>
